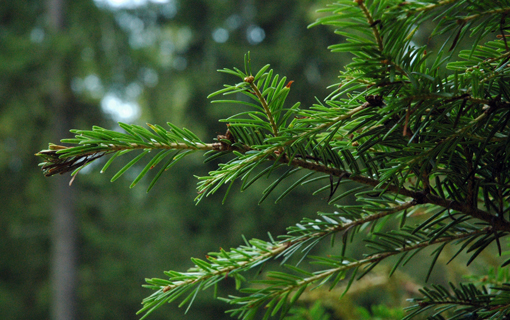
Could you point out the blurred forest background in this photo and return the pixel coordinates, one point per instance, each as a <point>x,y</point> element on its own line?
<point>82,252</point>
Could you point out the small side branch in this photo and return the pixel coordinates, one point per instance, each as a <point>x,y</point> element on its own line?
<point>433,6</point>
<point>263,102</point>
<point>62,159</point>
<point>371,22</point>
<point>503,11</point>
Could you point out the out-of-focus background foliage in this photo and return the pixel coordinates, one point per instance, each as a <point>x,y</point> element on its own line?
<point>84,251</point>
<point>74,64</point>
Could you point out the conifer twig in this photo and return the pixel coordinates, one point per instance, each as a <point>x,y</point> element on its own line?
<point>263,102</point>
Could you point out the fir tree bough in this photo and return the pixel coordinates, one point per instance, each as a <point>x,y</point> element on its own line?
<point>421,133</point>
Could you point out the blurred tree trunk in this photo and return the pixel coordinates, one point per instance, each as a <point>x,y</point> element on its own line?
<point>64,225</point>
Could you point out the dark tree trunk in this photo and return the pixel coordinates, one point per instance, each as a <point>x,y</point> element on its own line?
<point>64,225</point>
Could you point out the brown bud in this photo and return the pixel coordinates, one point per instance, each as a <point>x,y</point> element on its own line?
<point>56,147</point>
<point>249,79</point>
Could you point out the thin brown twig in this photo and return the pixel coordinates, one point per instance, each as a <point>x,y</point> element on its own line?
<point>263,102</point>
<point>421,197</point>
<point>372,23</point>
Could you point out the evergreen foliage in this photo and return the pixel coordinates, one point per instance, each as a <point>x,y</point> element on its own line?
<point>417,136</point>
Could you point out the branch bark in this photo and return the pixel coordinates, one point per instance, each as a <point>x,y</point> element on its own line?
<point>420,197</point>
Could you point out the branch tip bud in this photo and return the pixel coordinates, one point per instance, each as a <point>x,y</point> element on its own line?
<point>249,79</point>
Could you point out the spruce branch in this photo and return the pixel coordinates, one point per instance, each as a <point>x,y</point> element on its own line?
<point>465,300</point>
<point>63,159</point>
<point>98,142</point>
